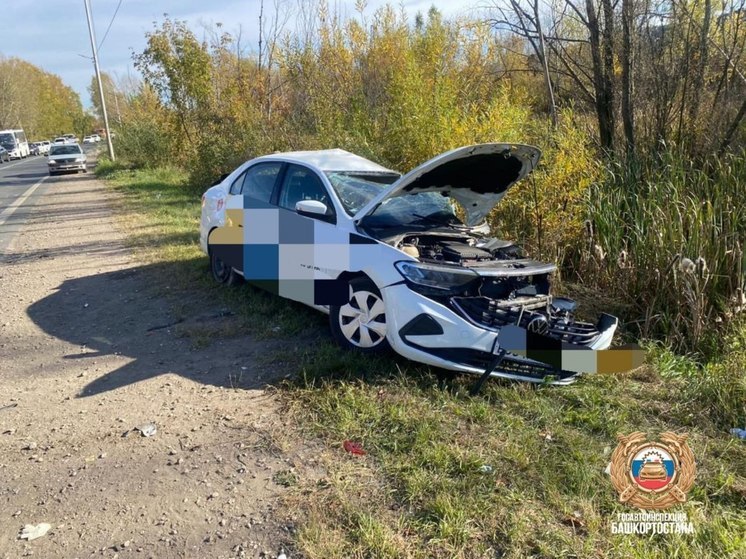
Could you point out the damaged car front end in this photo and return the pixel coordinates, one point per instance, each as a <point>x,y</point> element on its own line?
<point>470,302</point>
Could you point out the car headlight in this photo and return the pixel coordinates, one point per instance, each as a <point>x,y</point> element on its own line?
<point>52,162</point>
<point>80,160</point>
<point>432,276</point>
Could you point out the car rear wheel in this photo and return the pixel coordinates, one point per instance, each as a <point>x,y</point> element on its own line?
<point>222,272</point>
<point>360,324</point>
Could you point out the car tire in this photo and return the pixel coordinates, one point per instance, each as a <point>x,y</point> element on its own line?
<point>360,324</point>
<point>222,273</point>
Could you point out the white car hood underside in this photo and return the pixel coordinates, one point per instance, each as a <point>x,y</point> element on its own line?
<point>476,176</point>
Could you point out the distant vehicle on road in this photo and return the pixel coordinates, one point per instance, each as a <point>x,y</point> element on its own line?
<point>59,141</point>
<point>4,155</point>
<point>89,140</point>
<point>66,157</point>
<point>71,138</point>
<point>15,142</point>
<point>40,148</point>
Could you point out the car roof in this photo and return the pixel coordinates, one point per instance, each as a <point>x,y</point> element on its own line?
<point>329,160</point>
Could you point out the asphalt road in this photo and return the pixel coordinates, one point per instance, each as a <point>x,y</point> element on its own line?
<point>23,183</point>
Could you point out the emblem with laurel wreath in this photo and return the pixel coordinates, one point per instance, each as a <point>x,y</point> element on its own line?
<point>666,493</point>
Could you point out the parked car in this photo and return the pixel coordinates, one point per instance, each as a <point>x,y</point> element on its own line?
<point>4,155</point>
<point>60,140</point>
<point>390,261</point>
<point>88,140</point>
<point>66,157</point>
<point>34,148</point>
<point>46,144</point>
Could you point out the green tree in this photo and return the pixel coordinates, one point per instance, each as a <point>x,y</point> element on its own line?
<point>116,101</point>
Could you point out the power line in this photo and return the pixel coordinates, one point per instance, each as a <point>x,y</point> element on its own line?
<point>110,24</point>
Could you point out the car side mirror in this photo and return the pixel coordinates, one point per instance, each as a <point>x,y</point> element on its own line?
<point>311,208</point>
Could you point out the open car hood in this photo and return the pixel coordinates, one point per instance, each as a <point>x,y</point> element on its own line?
<point>475,176</point>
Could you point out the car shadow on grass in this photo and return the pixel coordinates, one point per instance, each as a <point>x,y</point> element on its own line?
<point>156,326</point>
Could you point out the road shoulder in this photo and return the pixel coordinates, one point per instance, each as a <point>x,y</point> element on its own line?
<point>89,352</point>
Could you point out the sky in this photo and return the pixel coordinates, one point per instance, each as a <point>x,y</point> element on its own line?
<point>53,34</point>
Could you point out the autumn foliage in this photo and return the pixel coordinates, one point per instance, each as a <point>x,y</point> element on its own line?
<point>38,102</point>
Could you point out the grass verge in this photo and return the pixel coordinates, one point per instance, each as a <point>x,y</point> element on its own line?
<point>517,471</point>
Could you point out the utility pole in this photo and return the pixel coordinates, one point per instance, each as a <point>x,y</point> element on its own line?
<point>92,33</point>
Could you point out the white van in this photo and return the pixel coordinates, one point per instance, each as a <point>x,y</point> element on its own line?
<point>15,142</point>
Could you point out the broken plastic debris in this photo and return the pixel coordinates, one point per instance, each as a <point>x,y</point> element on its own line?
<point>31,532</point>
<point>353,448</point>
<point>740,433</point>
<point>607,470</point>
<point>486,469</point>
<point>147,429</point>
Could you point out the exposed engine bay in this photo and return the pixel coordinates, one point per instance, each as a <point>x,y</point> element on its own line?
<point>462,250</point>
<point>510,288</point>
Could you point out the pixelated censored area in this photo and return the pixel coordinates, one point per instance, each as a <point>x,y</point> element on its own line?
<point>290,255</point>
<point>568,357</point>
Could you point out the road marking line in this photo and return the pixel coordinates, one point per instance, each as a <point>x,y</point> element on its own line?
<point>7,212</point>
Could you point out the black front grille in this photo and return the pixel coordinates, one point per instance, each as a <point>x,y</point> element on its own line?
<point>496,313</point>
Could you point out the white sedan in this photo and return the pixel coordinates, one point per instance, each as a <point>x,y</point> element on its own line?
<point>66,157</point>
<point>390,261</point>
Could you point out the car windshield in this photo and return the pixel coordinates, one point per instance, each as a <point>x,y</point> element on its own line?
<point>64,150</point>
<point>7,140</point>
<point>425,209</point>
<point>355,189</point>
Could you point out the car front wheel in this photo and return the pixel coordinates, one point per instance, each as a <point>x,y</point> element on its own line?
<point>360,324</point>
<point>222,272</point>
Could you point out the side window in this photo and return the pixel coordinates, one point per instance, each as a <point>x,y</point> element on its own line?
<point>302,184</point>
<point>259,181</point>
<point>236,184</point>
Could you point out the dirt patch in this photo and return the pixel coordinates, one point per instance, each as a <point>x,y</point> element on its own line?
<point>89,350</point>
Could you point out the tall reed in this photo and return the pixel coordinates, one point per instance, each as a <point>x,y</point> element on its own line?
<point>669,237</point>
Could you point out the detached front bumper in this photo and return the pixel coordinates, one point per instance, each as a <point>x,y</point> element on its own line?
<point>429,332</point>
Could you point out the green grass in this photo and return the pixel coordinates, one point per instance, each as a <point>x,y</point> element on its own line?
<point>517,471</point>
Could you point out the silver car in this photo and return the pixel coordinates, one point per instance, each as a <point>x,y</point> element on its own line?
<point>66,157</point>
